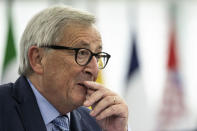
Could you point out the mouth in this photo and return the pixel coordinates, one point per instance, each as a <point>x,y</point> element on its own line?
<point>80,84</point>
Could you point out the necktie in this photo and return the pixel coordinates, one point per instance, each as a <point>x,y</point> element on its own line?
<point>61,123</point>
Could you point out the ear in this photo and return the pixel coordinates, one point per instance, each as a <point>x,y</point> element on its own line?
<point>35,55</point>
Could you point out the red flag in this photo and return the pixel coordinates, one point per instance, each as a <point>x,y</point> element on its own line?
<point>173,106</point>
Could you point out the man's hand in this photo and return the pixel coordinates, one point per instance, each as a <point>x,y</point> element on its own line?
<point>108,108</point>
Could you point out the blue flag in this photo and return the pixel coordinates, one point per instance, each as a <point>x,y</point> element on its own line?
<point>134,62</point>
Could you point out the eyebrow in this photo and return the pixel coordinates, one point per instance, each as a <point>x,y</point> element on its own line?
<point>86,45</point>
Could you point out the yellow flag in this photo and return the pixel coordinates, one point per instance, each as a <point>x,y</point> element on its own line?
<point>100,78</point>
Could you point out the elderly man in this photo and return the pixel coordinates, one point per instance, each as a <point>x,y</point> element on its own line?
<point>60,56</point>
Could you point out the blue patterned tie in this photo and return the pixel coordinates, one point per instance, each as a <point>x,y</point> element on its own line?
<point>61,123</point>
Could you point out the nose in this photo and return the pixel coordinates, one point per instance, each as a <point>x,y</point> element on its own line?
<point>92,68</point>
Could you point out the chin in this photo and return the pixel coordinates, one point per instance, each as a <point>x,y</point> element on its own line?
<point>78,99</point>
<point>77,104</point>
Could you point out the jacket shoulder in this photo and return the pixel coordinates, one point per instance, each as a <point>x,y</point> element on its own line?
<point>5,91</point>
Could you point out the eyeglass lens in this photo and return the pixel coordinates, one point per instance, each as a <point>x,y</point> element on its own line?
<point>84,55</point>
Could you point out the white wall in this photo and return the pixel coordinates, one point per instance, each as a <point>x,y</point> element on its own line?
<point>115,22</point>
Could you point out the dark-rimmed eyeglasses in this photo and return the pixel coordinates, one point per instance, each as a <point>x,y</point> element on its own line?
<point>83,56</point>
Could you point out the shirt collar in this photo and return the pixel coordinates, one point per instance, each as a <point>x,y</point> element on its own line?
<point>47,110</point>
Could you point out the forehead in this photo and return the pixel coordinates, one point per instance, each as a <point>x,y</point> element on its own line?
<point>81,36</point>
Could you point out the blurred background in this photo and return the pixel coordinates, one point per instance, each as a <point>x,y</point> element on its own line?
<point>153,47</point>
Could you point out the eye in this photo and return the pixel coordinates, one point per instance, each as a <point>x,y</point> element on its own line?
<point>84,53</point>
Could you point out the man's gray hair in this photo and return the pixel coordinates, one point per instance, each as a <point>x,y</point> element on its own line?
<point>46,28</point>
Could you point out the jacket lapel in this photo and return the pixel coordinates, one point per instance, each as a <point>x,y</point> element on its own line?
<point>75,121</point>
<point>27,106</point>
<point>82,121</point>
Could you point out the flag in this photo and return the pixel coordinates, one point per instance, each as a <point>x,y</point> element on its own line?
<point>135,95</point>
<point>10,52</point>
<point>172,106</point>
<point>100,77</point>
<point>134,62</point>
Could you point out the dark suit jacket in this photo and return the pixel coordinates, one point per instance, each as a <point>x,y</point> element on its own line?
<point>19,111</point>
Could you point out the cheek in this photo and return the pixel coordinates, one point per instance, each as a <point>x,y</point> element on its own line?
<point>55,74</point>
<point>64,75</point>
<point>58,68</point>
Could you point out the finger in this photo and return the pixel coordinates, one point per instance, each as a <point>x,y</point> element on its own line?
<point>90,92</point>
<point>97,96</point>
<point>104,103</point>
<point>117,110</point>
<point>94,97</point>
<point>92,85</point>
